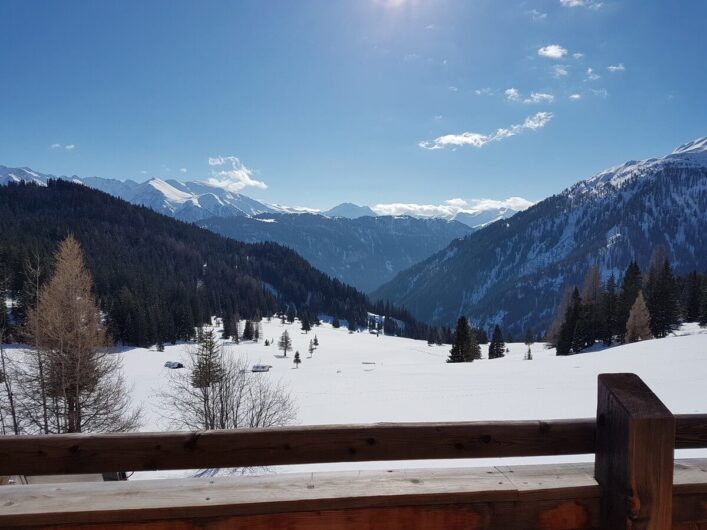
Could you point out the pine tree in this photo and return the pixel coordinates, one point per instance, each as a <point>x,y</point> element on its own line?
<point>207,369</point>
<point>335,323</point>
<point>227,327</point>
<point>311,348</point>
<point>630,285</point>
<point>248,332</point>
<point>496,346</point>
<point>609,304</point>
<point>316,342</point>
<point>285,343</point>
<point>703,307</point>
<point>465,348</point>
<point>693,297</point>
<point>661,299</point>
<point>567,342</point>
<point>306,325</point>
<point>297,360</point>
<point>638,324</point>
<point>291,314</point>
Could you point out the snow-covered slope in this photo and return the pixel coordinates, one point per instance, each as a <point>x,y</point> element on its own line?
<point>513,272</point>
<point>361,378</point>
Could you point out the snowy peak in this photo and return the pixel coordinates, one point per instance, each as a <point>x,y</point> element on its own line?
<point>696,146</point>
<point>690,155</point>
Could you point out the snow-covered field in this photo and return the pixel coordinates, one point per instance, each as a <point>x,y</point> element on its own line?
<point>362,378</point>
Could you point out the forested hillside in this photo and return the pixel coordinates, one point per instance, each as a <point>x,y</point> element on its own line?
<point>155,277</point>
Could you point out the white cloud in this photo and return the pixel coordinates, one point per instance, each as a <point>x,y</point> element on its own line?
<point>453,89</point>
<point>182,170</point>
<point>430,26</point>
<point>601,92</point>
<point>592,75</point>
<point>534,122</point>
<point>483,91</point>
<point>560,71</point>
<point>438,117</point>
<point>540,97</point>
<point>577,55</point>
<point>56,146</point>
<point>68,147</point>
<point>537,15</point>
<point>231,174</point>
<point>143,172</point>
<point>451,207</point>
<point>575,97</point>
<point>512,94</point>
<point>591,4</point>
<point>552,51</point>
<point>616,67</point>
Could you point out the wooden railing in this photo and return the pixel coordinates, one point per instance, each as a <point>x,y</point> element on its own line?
<point>634,482</point>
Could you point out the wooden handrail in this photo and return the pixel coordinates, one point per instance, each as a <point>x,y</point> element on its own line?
<point>97,453</point>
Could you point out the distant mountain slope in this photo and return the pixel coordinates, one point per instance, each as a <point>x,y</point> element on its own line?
<point>155,277</point>
<point>187,201</point>
<point>513,272</point>
<point>350,210</point>
<point>363,252</point>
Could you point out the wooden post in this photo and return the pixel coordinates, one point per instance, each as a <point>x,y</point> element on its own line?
<point>634,455</point>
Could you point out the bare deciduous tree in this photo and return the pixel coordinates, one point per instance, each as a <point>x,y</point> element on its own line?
<point>226,396</point>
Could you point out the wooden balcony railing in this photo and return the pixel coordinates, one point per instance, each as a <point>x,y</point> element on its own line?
<point>633,484</point>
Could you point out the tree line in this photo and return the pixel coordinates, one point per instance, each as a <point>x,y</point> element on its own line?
<point>157,279</point>
<point>643,305</point>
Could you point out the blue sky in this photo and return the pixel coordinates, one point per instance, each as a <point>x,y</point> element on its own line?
<point>367,101</point>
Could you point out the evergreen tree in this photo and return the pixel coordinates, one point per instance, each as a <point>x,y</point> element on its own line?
<point>257,330</point>
<point>496,346</point>
<point>567,342</point>
<point>311,348</point>
<point>481,336</point>
<point>291,314</point>
<point>248,331</point>
<point>297,360</point>
<point>227,327</point>
<point>207,365</point>
<point>306,325</point>
<point>316,342</point>
<point>638,324</point>
<point>335,323</point>
<point>661,299</point>
<point>630,285</point>
<point>351,325</point>
<point>609,304</point>
<point>693,297</point>
<point>285,343</point>
<point>465,348</point>
<point>703,307</point>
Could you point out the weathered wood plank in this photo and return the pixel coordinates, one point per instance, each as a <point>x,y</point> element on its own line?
<point>88,453</point>
<point>634,455</point>
<point>548,497</point>
<point>485,497</point>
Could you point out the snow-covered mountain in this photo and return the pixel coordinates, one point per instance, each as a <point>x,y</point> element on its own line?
<point>513,272</point>
<point>188,201</point>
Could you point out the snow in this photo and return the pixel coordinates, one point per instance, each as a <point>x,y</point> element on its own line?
<point>170,193</point>
<point>411,382</point>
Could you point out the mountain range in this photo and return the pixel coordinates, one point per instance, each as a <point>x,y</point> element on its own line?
<point>514,272</point>
<point>364,252</point>
<point>197,200</point>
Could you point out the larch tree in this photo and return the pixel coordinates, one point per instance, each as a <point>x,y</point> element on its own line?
<point>638,324</point>
<point>72,369</point>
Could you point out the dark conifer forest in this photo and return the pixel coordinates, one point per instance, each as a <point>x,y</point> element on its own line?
<point>157,278</point>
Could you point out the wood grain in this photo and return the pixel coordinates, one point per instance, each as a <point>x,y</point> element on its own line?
<point>634,455</point>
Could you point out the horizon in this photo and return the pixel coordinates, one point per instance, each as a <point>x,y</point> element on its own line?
<point>395,101</point>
